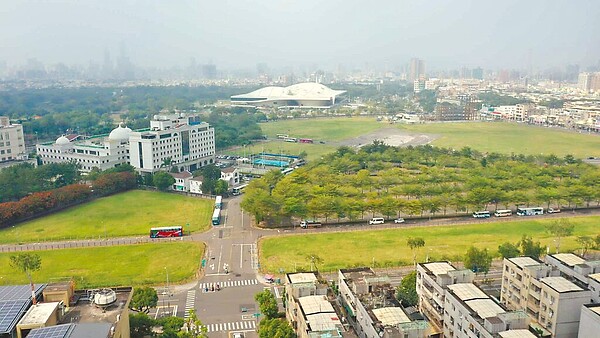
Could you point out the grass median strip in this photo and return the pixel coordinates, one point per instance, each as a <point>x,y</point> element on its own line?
<point>142,264</point>
<point>389,248</point>
<point>127,214</point>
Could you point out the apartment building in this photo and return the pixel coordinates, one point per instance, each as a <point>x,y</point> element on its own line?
<point>308,308</point>
<point>372,308</point>
<point>432,281</point>
<point>552,301</point>
<point>589,324</point>
<point>470,313</point>
<point>12,143</point>
<point>183,141</point>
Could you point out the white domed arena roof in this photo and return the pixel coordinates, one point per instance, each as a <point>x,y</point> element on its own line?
<point>62,140</point>
<point>120,133</point>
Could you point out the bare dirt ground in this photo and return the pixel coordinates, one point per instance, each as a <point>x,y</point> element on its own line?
<point>390,136</point>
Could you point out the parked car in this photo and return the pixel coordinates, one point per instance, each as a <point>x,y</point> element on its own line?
<point>376,220</point>
<point>553,210</point>
<point>399,220</point>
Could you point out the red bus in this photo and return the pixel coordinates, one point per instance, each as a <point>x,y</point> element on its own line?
<point>164,232</point>
<point>306,140</point>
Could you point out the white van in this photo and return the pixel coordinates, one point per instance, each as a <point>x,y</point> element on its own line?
<point>377,220</point>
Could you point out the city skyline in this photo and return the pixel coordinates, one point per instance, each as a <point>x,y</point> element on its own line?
<point>533,35</point>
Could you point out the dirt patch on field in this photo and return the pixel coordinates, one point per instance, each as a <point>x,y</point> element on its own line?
<point>392,137</point>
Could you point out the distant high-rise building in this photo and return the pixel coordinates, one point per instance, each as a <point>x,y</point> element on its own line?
<point>477,73</point>
<point>416,70</point>
<point>209,71</point>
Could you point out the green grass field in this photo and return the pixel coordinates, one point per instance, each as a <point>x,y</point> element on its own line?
<point>323,129</point>
<point>142,264</point>
<point>389,248</point>
<point>510,138</point>
<point>126,214</point>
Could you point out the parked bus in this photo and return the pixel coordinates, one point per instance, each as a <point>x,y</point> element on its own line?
<point>164,232</point>
<point>282,136</point>
<point>481,214</point>
<point>530,211</point>
<point>310,224</point>
<point>216,218</point>
<point>503,213</point>
<point>238,190</point>
<point>290,139</point>
<point>287,171</point>
<point>219,202</point>
<point>306,140</point>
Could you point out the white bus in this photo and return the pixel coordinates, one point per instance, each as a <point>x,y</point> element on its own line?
<point>530,211</point>
<point>481,214</point>
<point>238,190</point>
<point>503,213</point>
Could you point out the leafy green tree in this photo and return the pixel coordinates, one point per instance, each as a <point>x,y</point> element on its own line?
<point>415,243</point>
<point>171,323</point>
<point>478,260</point>
<point>587,243</point>
<point>275,327</point>
<point>140,325</point>
<point>143,299</point>
<point>508,250</point>
<point>406,292</point>
<point>560,228</point>
<point>27,263</point>
<point>162,180</point>
<point>267,304</point>
<point>531,248</point>
<point>193,327</point>
<point>221,187</point>
<point>314,260</point>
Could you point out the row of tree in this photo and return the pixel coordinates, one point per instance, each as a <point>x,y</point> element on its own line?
<point>20,180</point>
<point>39,202</point>
<point>425,180</point>
<point>272,325</point>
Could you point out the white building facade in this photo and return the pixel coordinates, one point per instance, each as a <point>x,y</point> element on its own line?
<point>12,143</point>
<point>184,141</point>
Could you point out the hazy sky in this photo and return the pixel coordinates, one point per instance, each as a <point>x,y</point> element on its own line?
<point>239,34</point>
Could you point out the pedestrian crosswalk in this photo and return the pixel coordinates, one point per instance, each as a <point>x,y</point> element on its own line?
<point>189,303</point>
<point>227,284</point>
<point>222,327</point>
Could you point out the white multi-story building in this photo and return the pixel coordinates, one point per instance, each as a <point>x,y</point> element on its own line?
<point>183,141</point>
<point>552,301</point>
<point>96,152</point>
<point>470,313</point>
<point>12,143</point>
<point>589,325</point>
<point>175,140</point>
<point>432,280</point>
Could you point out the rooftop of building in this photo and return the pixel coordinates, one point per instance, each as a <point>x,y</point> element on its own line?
<point>39,313</point>
<point>568,259</point>
<point>595,308</point>
<point>323,322</point>
<point>389,316</point>
<point>299,91</point>
<point>524,261</point>
<point>521,333</point>
<point>467,291</point>
<point>438,268</point>
<point>302,277</point>
<point>560,284</point>
<point>85,311</point>
<point>595,276</point>
<point>315,304</point>
<point>182,175</point>
<point>485,308</point>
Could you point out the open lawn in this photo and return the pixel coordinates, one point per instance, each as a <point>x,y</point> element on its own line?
<point>509,138</point>
<point>389,248</point>
<point>323,129</point>
<point>127,214</point>
<point>142,264</point>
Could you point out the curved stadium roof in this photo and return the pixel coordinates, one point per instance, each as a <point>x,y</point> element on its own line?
<point>309,91</point>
